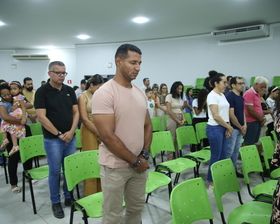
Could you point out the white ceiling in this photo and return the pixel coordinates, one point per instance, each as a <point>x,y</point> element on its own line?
<point>33,24</point>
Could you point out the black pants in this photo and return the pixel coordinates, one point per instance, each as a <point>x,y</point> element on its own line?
<point>13,160</point>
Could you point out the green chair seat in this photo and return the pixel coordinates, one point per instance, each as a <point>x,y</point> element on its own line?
<point>92,205</point>
<point>250,212</point>
<point>267,187</point>
<point>156,180</point>
<point>201,155</point>
<point>275,173</point>
<point>39,172</point>
<point>178,165</point>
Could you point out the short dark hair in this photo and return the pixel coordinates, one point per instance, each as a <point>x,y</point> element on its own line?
<point>26,79</point>
<point>83,81</point>
<point>54,63</point>
<point>217,78</point>
<point>5,86</point>
<point>233,80</point>
<point>123,49</point>
<point>94,80</point>
<point>144,80</point>
<point>148,90</point>
<point>2,80</point>
<point>173,90</point>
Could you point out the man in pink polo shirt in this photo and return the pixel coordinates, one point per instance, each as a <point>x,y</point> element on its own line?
<point>123,122</point>
<point>253,110</point>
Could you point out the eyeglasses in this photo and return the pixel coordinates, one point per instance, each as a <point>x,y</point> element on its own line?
<point>7,95</point>
<point>241,83</point>
<point>225,83</point>
<point>60,73</point>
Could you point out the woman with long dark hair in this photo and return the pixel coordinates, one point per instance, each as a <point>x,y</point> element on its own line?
<point>200,113</point>
<point>174,103</point>
<point>89,133</point>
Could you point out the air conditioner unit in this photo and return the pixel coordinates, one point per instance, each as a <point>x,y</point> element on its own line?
<point>241,33</point>
<point>31,56</point>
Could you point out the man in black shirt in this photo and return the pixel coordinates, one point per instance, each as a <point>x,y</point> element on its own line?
<point>57,110</point>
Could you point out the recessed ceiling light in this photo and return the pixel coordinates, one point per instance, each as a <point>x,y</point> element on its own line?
<point>1,23</point>
<point>83,37</point>
<point>140,20</point>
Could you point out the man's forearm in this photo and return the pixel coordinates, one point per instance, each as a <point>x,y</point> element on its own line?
<point>148,133</point>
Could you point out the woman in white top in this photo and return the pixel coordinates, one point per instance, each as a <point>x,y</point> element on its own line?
<point>174,103</point>
<point>272,94</point>
<point>160,102</point>
<point>200,114</point>
<point>218,128</point>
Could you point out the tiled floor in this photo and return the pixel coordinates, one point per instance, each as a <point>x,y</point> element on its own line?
<point>157,211</point>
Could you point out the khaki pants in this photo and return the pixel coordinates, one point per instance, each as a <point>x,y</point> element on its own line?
<point>172,126</point>
<point>122,183</point>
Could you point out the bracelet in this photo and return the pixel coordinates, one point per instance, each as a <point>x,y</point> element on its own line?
<point>136,163</point>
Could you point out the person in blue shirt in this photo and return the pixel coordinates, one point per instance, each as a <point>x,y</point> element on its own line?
<point>237,119</point>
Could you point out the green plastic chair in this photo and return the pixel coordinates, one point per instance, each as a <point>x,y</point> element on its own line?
<point>189,202</point>
<point>78,167</point>
<point>156,123</point>
<point>225,180</point>
<point>276,81</point>
<point>156,180</point>
<point>36,128</point>
<point>78,139</point>
<point>251,163</point>
<point>199,83</point>
<point>275,139</point>
<point>162,141</point>
<point>164,122</point>
<point>188,118</point>
<point>186,135</point>
<point>201,132</point>
<point>31,147</point>
<point>268,151</point>
<point>252,81</point>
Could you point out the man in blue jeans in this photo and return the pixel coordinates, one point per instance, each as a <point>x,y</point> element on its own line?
<point>57,110</point>
<point>237,119</point>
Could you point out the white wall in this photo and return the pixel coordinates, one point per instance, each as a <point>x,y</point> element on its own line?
<point>186,59</point>
<point>37,69</point>
<point>183,59</point>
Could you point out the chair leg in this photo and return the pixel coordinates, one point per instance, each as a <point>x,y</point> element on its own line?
<point>23,187</point>
<point>154,161</point>
<point>78,192</point>
<point>32,195</point>
<point>223,218</point>
<point>5,169</point>
<point>72,214</point>
<point>169,188</point>
<point>147,198</point>
<point>176,178</point>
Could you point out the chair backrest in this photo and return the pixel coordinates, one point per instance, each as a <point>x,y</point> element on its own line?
<point>162,141</point>
<point>200,129</point>
<point>81,166</point>
<point>276,81</point>
<point>275,139</point>
<point>252,81</point>
<point>188,118</point>
<point>189,202</point>
<point>224,179</point>
<point>78,138</point>
<point>164,122</point>
<point>156,123</point>
<point>36,128</point>
<point>251,161</point>
<point>199,82</point>
<point>185,135</point>
<point>268,150</point>
<point>31,146</point>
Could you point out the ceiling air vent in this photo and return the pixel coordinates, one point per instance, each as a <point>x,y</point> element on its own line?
<point>242,33</point>
<point>31,56</point>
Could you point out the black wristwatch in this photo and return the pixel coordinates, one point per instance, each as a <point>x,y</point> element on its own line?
<point>145,154</point>
<point>59,133</point>
<point>136,163</point>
